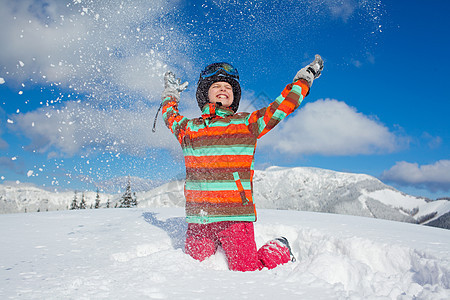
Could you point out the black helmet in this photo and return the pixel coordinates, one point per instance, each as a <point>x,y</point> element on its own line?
<point>216,72</point>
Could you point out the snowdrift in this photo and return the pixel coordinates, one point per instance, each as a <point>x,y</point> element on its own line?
<point>138,254</point>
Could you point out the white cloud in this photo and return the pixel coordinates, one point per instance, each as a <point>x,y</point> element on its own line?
<point>433,142</point>
<point>433,176</point>
<point>331,127</point>
<point>91,46</point>
<point>77,128</point>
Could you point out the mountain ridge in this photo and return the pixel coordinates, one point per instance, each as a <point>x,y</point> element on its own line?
<point>298,188</point>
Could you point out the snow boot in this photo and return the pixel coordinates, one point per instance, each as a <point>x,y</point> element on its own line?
<point>285,242</point>
<point>275,252</point>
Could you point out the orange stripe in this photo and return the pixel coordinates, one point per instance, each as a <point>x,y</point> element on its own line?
<point>286,90</point>
<point>215,196</point>
<point>217,165</point>
<point>304,85</point>
<point>214,131</point>
<point>239,185</point>
<point>268,115</point>
<point>287,107</point>
<point>218,161</point>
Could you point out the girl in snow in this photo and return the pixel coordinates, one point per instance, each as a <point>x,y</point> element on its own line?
<point>219,151</point>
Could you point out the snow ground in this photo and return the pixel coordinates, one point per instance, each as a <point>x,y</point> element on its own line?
<point>137,254</point>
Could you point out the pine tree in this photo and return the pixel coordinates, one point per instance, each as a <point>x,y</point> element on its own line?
<point>74,204</point>
<point>97,200</point>
<point>107,203</point>
<point>83,202</point>
<point>127,198</point>
<point>134,203</point>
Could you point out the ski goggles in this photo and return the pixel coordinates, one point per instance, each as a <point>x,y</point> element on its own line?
<point>215,68</point>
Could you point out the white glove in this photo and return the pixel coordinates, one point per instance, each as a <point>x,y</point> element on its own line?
<point>173,86</point>
<point>311,71</point>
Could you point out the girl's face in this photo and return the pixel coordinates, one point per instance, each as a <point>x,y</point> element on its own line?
<point>221,92</point>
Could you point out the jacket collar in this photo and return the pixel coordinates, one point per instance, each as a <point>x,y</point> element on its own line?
<point>212,110</point>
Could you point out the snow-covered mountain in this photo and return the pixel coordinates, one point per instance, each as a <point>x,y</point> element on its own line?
<point>313,189</point>
<point>319,190</point>
<point>305,189</point>
<point>16,198</point>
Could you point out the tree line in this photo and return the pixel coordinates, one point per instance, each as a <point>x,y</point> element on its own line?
<point>128,199</point>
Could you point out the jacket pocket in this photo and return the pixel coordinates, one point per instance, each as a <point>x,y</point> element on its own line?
<point>240,188</point>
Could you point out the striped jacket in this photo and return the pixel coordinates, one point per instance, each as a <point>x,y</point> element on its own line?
<point>219,151</point>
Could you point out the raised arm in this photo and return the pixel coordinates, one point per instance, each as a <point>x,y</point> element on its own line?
<point>262,121</point>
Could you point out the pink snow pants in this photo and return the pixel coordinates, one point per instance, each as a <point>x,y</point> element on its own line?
<point>238,241</point>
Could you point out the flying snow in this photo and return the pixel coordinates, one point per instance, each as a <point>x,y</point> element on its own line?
<point>100,64</point>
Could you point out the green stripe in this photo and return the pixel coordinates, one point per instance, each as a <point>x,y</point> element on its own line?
<point>297,89</point>
<point>216,185</point>
<point>279,99</point>
<point>279,115</point>
<point>212,219</point>
<point>170,110</point>
<point>261,124</point>
<point>194,127</point>
<point>234,121</point>
<point>218,123</point>
<point>219,150</point>
<point>176,124</point>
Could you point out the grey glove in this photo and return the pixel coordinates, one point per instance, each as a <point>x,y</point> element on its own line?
<point>173,86</point>
<point>311,71</point>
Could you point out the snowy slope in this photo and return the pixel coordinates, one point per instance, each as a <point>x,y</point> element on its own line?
<point>137,254</point>
<point>306,189</point>
<point>25,198</point>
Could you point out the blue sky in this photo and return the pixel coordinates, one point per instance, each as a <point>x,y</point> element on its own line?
<point>80,83</point>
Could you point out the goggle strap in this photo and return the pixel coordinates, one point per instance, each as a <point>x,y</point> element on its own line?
<point>213,69</point>
<point>217,71</point>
